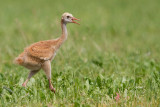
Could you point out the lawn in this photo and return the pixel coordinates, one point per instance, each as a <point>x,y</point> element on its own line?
<point>114,50</point>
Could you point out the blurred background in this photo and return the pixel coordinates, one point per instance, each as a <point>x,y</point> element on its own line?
<point>114,50</point>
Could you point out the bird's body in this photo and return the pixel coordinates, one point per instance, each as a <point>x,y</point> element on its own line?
<point>39,55</point>
<point>36,54</point>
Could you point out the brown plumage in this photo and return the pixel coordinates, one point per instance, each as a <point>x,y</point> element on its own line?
<point>39,55</point>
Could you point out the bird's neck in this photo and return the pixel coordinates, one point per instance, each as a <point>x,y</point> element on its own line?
<point>64,31</point>
<point>63,37</point>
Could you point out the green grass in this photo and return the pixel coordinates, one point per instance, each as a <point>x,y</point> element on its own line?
<point>116,49</point>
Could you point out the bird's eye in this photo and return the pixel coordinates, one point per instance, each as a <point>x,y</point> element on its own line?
<point>67,17</point>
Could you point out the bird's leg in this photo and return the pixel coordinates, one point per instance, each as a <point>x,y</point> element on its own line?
<point>47,69</point>
<point>29,76</point>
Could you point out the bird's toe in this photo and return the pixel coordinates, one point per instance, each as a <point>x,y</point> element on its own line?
<point>53,89</point>
<point>23,85</point>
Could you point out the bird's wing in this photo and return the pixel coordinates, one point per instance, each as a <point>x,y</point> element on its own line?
<point>43,50</point>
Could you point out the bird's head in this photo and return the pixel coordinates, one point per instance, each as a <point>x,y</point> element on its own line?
<point>68,18</point>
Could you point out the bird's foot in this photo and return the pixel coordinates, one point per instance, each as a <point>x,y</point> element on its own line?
<point>24,85</point>
<point>52,89</point>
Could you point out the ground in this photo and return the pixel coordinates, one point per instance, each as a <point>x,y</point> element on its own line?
<point>111,59</point>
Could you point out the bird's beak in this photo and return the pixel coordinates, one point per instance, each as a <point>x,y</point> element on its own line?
<point>73,18</point>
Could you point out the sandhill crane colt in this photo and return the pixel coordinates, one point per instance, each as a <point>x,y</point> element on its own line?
<point>39,55</point>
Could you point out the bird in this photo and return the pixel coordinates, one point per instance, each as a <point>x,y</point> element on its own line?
<point>39,55</point>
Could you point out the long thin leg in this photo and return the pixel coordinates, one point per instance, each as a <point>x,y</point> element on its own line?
<point>29,76</point>
<point>47,69</point>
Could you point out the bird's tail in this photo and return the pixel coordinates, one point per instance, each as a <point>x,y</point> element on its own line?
<point>18,60</point>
